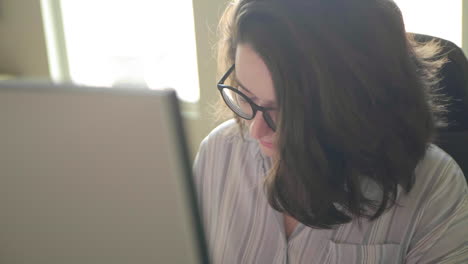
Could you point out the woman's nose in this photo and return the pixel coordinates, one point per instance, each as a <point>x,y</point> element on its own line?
<point>258,127</point>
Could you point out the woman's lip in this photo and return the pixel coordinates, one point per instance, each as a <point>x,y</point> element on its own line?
<point>266,144</point>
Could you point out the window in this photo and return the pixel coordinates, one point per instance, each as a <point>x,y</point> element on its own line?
<point>433,17</point>
<point>123,42</point>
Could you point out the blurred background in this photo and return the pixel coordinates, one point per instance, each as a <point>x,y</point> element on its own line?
<point>153,43</point>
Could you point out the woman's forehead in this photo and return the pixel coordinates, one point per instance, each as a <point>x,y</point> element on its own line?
<point>253,75</point>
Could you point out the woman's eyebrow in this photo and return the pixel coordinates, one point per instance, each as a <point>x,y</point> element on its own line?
<point>269,104</point>
<point>241,85</point>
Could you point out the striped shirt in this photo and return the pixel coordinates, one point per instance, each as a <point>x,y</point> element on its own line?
<point>430,225</point>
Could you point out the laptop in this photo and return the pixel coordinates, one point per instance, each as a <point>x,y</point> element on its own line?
<point>95,175</point>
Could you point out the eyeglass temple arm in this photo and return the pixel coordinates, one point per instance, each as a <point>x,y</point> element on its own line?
<point>226,75</point>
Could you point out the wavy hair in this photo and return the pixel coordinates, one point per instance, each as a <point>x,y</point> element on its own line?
<point>356,99</point>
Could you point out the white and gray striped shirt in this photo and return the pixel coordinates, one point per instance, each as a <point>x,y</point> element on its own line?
<point>429,226</point>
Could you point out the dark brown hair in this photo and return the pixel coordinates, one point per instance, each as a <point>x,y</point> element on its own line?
<point>354,93</point>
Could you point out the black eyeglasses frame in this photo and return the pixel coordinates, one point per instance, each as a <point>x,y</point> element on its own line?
<point>221,86</point>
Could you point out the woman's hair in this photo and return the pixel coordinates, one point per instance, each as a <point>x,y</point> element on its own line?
<point>355,100</point>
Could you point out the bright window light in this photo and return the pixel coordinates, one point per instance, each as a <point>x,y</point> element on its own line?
<point>433,17</point>
<point>127,42</point>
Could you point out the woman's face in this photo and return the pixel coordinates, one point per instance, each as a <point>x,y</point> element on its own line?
<point>255,81</point>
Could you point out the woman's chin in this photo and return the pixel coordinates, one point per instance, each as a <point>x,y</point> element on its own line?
<point>269,152</point>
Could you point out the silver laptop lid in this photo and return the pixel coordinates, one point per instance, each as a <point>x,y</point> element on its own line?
<point>95,175</point>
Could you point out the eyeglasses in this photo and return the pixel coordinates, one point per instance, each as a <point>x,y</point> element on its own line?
<point>241,104</point>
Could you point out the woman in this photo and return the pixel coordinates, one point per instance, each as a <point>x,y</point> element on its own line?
<point>330,160</point>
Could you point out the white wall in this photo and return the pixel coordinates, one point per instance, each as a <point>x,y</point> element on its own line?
<point>207,14</point>
<point>22,42</point>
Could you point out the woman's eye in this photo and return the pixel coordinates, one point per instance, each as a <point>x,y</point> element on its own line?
<point>242,100</point>
<point>239,98</point>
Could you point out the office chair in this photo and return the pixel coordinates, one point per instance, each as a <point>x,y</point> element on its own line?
<point>453,139</point>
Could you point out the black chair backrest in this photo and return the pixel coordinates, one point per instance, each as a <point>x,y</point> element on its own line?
<point>454,138</point>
